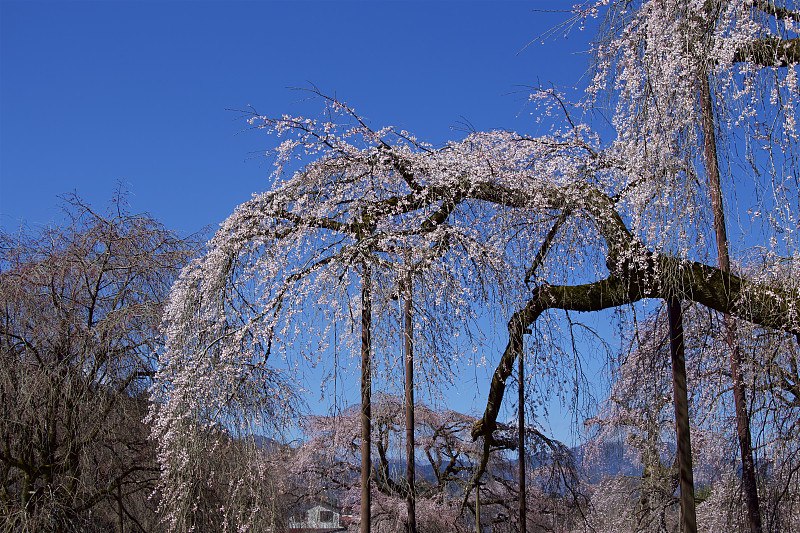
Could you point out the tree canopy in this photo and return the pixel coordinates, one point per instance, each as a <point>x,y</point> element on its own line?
<point>608,209</point>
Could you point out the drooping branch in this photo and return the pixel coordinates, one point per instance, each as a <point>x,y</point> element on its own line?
<point>546,244</point>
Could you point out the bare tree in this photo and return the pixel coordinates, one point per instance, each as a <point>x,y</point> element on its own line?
<point>81,305</point>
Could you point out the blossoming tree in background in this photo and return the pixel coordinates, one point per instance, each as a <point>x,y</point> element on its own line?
<point>327,465</point>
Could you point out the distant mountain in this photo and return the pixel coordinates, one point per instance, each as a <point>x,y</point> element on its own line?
<point>423,470</point>
<point>265,443</point>
<point>608,460</point>
<point>595,464</point>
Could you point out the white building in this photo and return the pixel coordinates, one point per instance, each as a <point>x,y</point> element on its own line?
<point>316,519</point>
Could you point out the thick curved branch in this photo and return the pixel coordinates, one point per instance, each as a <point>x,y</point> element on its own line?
<point>610,292</point>
<point>657,277</point>
<point>637,273</point>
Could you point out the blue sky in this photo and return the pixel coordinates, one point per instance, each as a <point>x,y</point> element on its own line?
<point>94,93</point>
<point>97,92</point>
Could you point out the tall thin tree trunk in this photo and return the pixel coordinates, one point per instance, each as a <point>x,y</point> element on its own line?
<point>478,508</point>
<point>739,397</point>
<point>119,507</point>
<point>366,399</point>
<point>523,512</point>
<point>681,400</point>
<point>409,357</point>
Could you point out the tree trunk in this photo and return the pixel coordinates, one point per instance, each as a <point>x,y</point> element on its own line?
<point>478,508</point>
<point>523,513</point>
<point>409,357</point>
<point>681,400</point>
<point>740,401</point>
<point>119,507</point>
<point>366,400</point>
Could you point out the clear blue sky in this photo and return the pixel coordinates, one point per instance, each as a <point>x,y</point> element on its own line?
<point>97,92</point>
